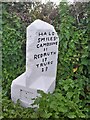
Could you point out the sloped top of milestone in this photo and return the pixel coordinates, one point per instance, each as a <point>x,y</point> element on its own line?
<point>40,25</point>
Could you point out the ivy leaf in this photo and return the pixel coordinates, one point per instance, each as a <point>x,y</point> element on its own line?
<point>46,115</point>
<point>81,115</point>
<point>66,87</point>
<point>71,115</point>
<point>84,61</point>
<point>67,34</point>
<point>69,94</point>
<point>65,44</point>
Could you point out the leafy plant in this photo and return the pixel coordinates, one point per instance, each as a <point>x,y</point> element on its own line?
<point>65,102</point>
<point>12,59</point>
<point>70,99</point>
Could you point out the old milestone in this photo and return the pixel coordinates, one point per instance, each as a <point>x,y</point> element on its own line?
<point>41,64</point>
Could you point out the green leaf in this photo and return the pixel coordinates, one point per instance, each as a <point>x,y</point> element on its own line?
<point>66,87</point>
<point>84,61</point>
<point>71,115</point>
<point>69,94</point>
<point>46,115</point>
<point>81,115</point>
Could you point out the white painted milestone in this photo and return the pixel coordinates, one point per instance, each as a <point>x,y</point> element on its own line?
<point>41,64</point>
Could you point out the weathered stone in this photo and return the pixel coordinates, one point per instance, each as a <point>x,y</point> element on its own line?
<point>41,63</point>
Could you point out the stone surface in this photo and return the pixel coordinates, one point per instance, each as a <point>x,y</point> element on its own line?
<point>41,63</point>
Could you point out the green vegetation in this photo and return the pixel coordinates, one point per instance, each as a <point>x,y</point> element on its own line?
<point>70,99</point>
